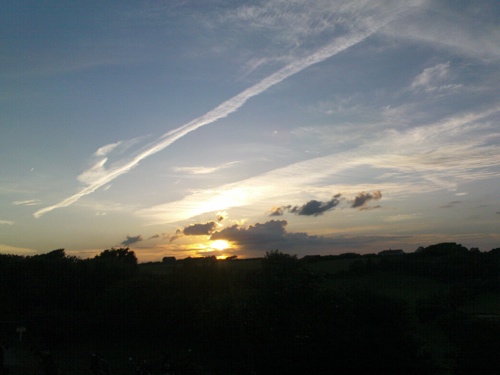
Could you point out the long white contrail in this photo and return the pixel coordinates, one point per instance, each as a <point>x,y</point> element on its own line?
<point>221,111</point>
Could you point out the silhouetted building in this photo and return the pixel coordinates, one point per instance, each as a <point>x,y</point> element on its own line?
<point>168,260</point>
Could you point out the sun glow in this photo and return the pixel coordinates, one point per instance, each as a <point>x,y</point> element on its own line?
<point>220,245</point>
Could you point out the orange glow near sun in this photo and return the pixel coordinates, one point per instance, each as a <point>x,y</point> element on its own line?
<point>220,245</point>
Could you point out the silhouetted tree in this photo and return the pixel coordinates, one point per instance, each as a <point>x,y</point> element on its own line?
<point>445,248</point>
<point>121,255</point>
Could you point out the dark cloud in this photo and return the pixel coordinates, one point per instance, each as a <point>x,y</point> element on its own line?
<point>363,198</point>
<point>198,229</point>
<point>154,236</point>
<point>369,208</point>
<point>270,231</point>
<point>255,240</point>
<point>277,211</point>
<point>311,208</point>
<point>315,208</point>
<point>178,233</point>
<point>131,240</point>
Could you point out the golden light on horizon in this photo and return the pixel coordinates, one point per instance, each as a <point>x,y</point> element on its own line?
<point>220,245</point>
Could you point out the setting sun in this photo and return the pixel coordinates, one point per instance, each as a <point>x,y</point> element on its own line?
<point>220,245</point>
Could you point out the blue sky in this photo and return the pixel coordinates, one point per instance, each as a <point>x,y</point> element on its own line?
<point>312,127</point>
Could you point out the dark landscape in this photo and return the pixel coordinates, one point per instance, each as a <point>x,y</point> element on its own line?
<point>434,311</point>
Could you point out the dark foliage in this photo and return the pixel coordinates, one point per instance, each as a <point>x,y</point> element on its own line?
<point>447,262</point>
<point>260,320</point>
<point>477,342</point>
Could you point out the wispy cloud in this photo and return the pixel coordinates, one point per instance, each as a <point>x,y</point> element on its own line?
<point>106,149</point>
<point>6,222</point>
<point>294,23</point>
<point>97,176</point>
<point>205,170</point>
<point>433,79</point>
<point>29,202</point>
<point>427,79</point>
<point>445,26</point>
<point>427,158</point>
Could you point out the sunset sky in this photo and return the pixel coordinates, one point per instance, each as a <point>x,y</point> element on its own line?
<point>222,127</point>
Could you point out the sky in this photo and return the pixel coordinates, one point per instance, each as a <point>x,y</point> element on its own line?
<point>236,127</point>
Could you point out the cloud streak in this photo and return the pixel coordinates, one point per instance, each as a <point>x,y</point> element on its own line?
<point>29,202</point>
<point>204,170</point>
<point>99,176</point>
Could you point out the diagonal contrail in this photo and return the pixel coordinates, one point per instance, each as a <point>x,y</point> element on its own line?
<point>226,108</point>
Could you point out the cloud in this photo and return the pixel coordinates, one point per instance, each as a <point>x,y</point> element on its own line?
<point>432,79</point>
<point>97,176</point>
<point>445,26</point>
<point>315,208</point>
<point>131,240</point>
<point>6,222</point>
<point>278,211</point>
<point>256,239</point>
<point>270,231</point>
<point>298,24</point>
<point>222,215</point>
<point>430,76</point>
<point>154,236</point>
<point>29,202</point>
<point>204,170</point>
<point>311,208</point>
<point>104,150</point>
<point>95,172</point>
<point>200,229</point>
<point>362,198</point>
<point>197,229</point>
